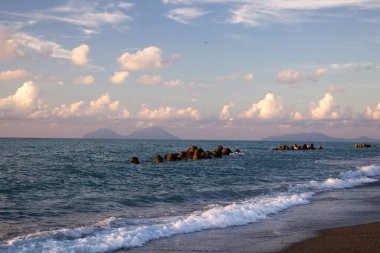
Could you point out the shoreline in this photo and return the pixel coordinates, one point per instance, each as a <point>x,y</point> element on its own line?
<point>328,210</point>
<point>355,239</point>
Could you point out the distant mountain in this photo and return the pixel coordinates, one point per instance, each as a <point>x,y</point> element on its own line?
<point>363,139</point>
<point>103,133</point>
<point>152,133</point>
<point>316,137</point>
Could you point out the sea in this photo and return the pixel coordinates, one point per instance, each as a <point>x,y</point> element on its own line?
<point>82,195</point>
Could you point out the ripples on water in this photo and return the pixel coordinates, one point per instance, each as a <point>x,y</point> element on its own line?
<point>50,184</point>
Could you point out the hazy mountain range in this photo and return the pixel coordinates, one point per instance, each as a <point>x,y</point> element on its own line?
<point>316,137</point>
<point>157,133</point>
<point>152,133</point>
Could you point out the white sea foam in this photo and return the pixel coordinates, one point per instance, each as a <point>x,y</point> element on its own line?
<point>95,239</point>
<point>337,183</point>
<point>345,180</point>
<point>371,170</point>
<point>112,234</point>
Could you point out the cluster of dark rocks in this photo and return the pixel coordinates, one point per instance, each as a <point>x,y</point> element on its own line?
<point>194,153</point>
<point>363,145</point>
<point>297,147</point>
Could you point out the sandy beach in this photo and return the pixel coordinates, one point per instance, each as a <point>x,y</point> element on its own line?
<point>355,239</point>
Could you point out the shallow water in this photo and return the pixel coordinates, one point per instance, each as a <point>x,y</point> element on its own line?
<point>71,195</point>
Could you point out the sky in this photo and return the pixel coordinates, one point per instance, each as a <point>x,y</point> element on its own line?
<point>201,69</point>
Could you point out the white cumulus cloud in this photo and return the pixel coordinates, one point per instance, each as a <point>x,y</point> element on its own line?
<point>102,107</point>
<point>373,113</point>
<point>149,80</point>
<point>297,116</point>
<point>119,77</point>
<point>168,113</point>
<point>150,57</point>
<point>225,113</point>
<point>13,74</point>
<point>79,54</point>
<point>23,102</point>
<point>325,109</point>
<point>86,80</point>
<point>289,76</point>
<point>317,73</point>
<point>69,110</point>
<point>270,107</point>
<point>174,83</point>
<point>103,103</point>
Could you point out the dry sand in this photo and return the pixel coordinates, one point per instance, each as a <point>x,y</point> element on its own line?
<point>360,238</point>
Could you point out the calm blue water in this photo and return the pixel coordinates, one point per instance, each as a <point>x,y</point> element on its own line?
<point>72,195</point>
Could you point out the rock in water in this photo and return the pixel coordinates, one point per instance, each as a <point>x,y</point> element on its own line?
<point>158,159</point>
<point>226,151</point>
<point>172,157</point>
<point>135,160</point>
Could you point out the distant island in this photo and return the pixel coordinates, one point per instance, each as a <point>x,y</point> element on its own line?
<point>103,133</point>
<point>316,137</point>
<point>149,133</point>
<point>152,133</point>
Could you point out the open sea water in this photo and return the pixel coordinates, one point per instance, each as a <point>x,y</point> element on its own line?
<point>76,195</point>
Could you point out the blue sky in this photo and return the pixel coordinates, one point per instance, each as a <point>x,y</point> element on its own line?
<point>202,69</point>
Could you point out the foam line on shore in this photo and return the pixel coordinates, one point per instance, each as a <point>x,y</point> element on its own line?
<point>108,238</point>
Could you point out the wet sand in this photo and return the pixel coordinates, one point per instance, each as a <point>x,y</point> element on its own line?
<point>353,239</point>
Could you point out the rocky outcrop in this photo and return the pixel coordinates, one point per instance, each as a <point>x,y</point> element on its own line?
<point>363,145</point>
<point>193,152</point>
<point>296,147</point>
